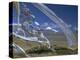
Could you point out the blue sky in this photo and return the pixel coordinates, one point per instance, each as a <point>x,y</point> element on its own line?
<point>68,13</point>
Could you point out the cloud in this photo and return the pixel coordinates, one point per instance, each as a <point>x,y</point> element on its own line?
<point>54,30</point>
<point>33,16</point>
<point>36,23</point>
<point>45,24</point>
<point>52,25</point>
<point>49,28</point>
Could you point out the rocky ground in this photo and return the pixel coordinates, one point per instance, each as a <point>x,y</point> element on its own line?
<point>34,49</point>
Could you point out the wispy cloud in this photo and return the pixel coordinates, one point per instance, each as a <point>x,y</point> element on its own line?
<point>36,23</point>
<point>55,30</point>
<point>49,28</point>
<point>52,25</point>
